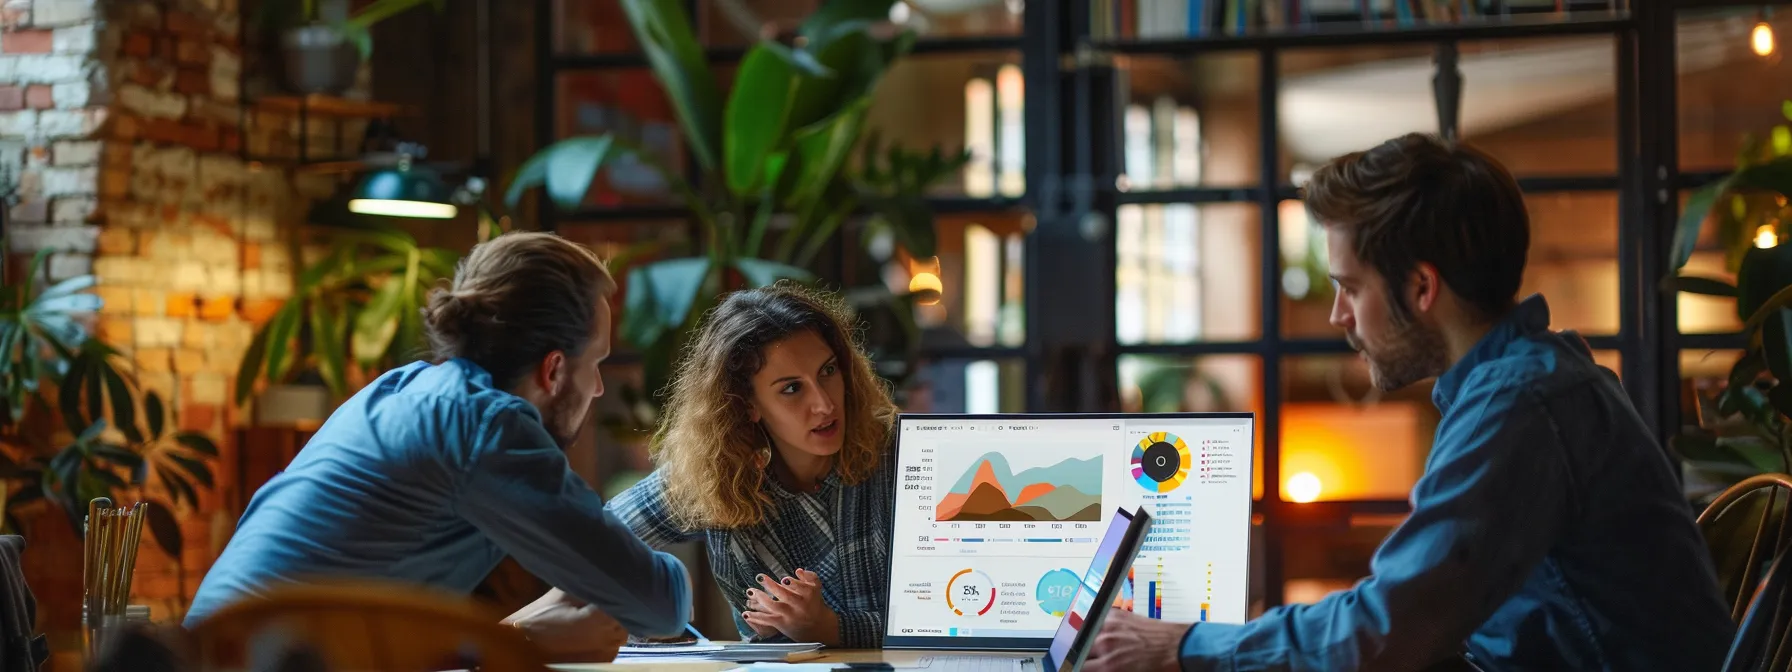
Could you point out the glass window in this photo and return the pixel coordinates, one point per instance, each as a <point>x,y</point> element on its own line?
<point>1712,257</point>
<point>1715,54</point>
<point>1573,262</point>
<point>980,275</point>
<point>1318,561</point>
<point>591,28</point>
<point>1211,383</point>
<point>1540,106</point>
<point>968,386</point>
<point>1190,122</point>
<point>625,244</point>
<point>1187,273</point>
<point>960,101</point>
<point>1343,439</point>
<point>630,103</point>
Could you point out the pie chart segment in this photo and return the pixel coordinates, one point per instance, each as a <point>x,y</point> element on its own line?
<point>1160,462</point>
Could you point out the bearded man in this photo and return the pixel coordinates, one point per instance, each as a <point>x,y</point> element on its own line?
<point>1548,531</point>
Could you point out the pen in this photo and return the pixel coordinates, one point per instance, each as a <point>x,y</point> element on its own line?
<point>692,631</point>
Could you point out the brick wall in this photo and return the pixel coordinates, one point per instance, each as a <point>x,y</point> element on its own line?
<point>125,122</point>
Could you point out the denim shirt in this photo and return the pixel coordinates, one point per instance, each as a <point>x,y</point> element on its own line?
<point>1548,532</point>
<point>431,475</point>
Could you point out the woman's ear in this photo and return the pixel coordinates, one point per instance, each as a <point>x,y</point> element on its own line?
<point>753,412</point>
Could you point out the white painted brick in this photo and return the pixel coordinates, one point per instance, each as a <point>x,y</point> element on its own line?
<point>158,332</point>
<point>29,212</point>
<point>235,334</point>
<point>75,210</point>
<point>168,245</point>
<point>213,248</point>
<point>61,238</point>
<point>77,181</point>
<point>70,123</point>
<point>226,69</point>
<point>121,271</point>
<point>221,170</point>
<point>276,284</point>
<point>76,152</point>
<point>207,389</point>
<point>181,162</point>
<point>190,276</point>
<point>20,124</point>
<point>259,229</point>
<point>71,95</point>
<point>157,104</point>
<point>55,13</point>
<point>222,280</point>
<point>65,265</point>
<point>50,68</point>
<point>73,39</point>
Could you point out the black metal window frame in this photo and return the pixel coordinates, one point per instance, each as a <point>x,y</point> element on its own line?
<point>1069,356</point>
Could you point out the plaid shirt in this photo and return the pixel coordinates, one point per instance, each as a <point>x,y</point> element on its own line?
<point>840,532</point>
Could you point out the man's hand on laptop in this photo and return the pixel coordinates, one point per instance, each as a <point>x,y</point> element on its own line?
<point>793,606</point>
<point>1129,642</point>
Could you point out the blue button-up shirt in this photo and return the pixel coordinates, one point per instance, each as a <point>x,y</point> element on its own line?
<point>1548,532</point>
<point>431,475</point>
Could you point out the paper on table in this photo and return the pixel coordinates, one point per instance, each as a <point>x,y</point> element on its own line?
<point>668,650</point>
<point>786,667</point>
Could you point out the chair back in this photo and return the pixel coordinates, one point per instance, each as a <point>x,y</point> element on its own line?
<point>1745,527</point>
<point>1761,638</point>
<point>362,626</point>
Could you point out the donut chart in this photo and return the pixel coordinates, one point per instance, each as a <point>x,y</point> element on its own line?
<point>974,590</point>
<point>1160,462</point>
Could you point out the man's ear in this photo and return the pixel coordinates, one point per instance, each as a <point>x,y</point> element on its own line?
<point>550,373</point>
<point>1424,287</point>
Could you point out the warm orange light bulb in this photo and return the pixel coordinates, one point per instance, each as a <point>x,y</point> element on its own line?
<point>1761,39</point>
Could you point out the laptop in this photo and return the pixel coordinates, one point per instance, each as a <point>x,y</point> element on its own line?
<point>1090,604</point>
<point>997,515</point>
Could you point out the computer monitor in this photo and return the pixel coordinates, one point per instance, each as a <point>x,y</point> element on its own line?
<point>996,513</point>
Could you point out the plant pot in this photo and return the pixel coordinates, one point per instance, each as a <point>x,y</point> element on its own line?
<point>319,60</point>
<point>289,405</point>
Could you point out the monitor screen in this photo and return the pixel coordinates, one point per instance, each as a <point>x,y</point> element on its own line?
<point>1083,601</point>
<point>997,515</point>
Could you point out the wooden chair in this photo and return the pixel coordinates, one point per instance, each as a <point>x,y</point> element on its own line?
<point>362,626</point>
<point>1755,574</point>
<point>1759,502</point>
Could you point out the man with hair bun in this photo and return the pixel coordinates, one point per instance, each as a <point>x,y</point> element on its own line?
<point>436,471</point>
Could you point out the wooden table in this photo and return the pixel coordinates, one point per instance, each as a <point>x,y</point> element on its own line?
<point>896,658</point>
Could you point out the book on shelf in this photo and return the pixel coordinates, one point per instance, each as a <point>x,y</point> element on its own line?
<point>1160,19</point>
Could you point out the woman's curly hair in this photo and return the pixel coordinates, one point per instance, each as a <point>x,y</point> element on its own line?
<point>707,446</point>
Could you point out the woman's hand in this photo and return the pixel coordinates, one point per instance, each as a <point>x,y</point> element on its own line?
<point>568,630</point>
<point>794,607</point>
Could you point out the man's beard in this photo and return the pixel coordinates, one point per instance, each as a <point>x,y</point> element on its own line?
<point>1413,352</point>
<point>563,418</point>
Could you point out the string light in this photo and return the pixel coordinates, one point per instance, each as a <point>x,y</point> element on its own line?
<point>1765,237</point>
<point>1303,487</point>
<point>1761,39</point>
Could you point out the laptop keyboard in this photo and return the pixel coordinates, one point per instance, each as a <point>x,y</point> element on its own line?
<point>976,664</point>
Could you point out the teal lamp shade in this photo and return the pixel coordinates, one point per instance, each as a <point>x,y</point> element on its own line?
<point>402,192</point>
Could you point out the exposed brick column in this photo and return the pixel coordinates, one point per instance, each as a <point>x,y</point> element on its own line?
<point>125,122</point>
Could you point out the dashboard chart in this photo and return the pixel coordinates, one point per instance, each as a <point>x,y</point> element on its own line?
<point>997,520</point>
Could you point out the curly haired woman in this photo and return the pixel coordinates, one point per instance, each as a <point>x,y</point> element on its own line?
<point>775,452</point>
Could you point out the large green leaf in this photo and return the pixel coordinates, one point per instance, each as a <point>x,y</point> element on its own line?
<point>825,23</point>
<point>1776,344</point>
<point>377,323</point>
<point>1764,273</point>
<point>250,367</point>
<point>329,339</point>
<point>197,442</point>
<point>154,412</point>
<point>758,108</point>
<point>1753,452</point>
<point>69,398</point>
<point>124,405</point>
<point>164,529</point>
<point>664,32</point>
<point>1692,219</point>
<point>1693,284</point>
<point>566,168</point>
<point>1774,175</point>
<point>282,332</point>
<point>660,296</point>
<point>821,149</point>
<point>911,221</point>
<point>762,272</point>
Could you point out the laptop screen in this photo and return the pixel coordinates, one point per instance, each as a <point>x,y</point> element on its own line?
<point>996,517</point>
<point>1083,603</point>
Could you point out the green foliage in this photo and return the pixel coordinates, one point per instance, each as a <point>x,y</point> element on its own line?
<point>778,151</point>
<point>1748,433</point>
<point>44,346</point>
<point>355,312</point>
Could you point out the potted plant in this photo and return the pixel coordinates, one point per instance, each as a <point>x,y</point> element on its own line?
<point>322,56</point>
<point>353,314</point>
<point>778,178</point>
<point>113,441</point>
